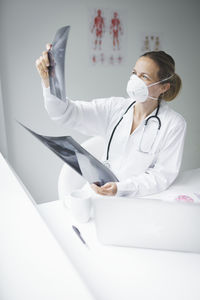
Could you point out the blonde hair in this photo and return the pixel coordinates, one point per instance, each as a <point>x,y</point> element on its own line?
<point>166,66</point>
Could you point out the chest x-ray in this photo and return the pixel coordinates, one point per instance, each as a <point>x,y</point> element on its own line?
<point>56,57</point>
<point>77,158</point>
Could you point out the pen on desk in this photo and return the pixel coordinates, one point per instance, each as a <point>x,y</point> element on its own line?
<point>79,235</point>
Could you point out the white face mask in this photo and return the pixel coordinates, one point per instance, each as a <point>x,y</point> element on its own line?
<point>138,90</point>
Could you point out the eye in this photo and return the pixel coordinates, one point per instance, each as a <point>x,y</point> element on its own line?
<point>145,76</point>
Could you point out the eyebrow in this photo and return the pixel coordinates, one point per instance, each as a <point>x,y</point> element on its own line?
<point>143,73</point>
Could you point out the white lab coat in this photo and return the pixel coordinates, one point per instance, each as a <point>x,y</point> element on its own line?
<point>139,173</point>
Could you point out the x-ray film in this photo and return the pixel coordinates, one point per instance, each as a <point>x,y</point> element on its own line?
<point>56,57</point>
<point>77,158</point>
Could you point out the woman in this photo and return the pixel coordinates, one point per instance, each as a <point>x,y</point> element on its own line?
<point>145,148</point>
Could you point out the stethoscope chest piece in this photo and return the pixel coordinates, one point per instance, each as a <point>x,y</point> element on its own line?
<point>106,163</point>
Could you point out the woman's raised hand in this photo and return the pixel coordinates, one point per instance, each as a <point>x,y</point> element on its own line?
<point>42,64</point>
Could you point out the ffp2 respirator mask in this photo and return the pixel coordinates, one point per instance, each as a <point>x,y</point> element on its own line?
<point>138,90</point>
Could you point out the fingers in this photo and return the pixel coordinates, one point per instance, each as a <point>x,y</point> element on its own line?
<point>42,68</point>
<point>43,61</point>
<point>108,185</point>
<point>42,64</point>
<point>45,57</point>
<point>109,189</point>
<point>48,46</point>
<point>98,189</point>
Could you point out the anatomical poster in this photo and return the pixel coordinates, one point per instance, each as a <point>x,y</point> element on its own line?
<point>106,37</point>
<point>151,42</point>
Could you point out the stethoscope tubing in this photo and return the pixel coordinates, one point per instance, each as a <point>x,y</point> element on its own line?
<point>111,137</point>
<point>145,124</point>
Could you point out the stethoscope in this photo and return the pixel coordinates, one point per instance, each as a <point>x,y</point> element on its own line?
<point>145,125</point>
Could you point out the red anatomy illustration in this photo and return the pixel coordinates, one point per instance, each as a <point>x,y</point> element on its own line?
<point>100,28</point>
<point>115,29</point>
<point>94,59</point>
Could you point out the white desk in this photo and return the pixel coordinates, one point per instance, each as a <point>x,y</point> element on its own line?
<point>33,266</point>
<point>117,273</point>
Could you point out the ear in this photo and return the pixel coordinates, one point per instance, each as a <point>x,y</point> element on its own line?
<point>165,87</point>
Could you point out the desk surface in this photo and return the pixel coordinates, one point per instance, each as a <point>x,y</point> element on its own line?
<point>116,273</point>
<point>32,263</point>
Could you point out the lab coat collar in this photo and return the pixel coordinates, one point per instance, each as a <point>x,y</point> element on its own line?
<point>163,104</point>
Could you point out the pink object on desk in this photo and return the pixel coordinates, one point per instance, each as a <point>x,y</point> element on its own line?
<point>184,198</point>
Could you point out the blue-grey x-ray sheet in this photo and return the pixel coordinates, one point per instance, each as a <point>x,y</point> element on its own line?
<point>77,158</point>
<point>56,68</point>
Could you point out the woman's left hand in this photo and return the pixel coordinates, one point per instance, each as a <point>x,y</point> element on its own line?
<point>108,189</point>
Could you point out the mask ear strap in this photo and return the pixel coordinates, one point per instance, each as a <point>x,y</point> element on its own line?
<point>154,98</point>
<point>161,80</point>
<point>167,78</point>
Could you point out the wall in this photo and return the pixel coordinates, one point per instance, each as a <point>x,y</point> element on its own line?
<point>3,139</point>
<point>25,29</point>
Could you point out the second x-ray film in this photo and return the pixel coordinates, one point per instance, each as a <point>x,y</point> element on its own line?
<point>77,158</point>
<point>56,57</point>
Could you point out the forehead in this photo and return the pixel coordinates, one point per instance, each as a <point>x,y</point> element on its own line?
<point>147,65</point>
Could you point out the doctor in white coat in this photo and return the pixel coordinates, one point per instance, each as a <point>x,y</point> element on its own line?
<point>144,136</point>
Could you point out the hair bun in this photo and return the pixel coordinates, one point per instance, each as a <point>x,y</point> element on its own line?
<point>166,66</point>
